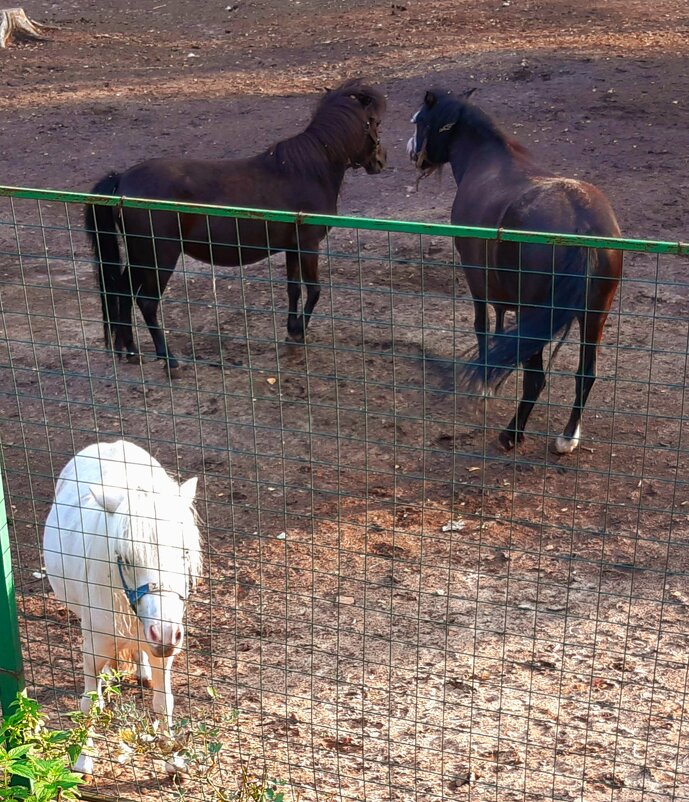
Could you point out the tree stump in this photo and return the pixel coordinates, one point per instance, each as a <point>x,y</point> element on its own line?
<point>15,25</point>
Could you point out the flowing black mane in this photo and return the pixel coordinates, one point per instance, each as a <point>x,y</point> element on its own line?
<point>451,114</point>
<point>335,132</point>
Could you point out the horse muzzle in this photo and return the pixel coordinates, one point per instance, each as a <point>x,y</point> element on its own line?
<point>166,650</point>
<point>418,157</point>
<point>164,638</point>
<point>378,162</point>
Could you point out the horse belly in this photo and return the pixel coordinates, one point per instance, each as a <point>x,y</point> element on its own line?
<point>230,242</point>
<point>226,255</point>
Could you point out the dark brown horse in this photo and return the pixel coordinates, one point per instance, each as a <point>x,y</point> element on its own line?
<point>500,185</point>
<point>303,173</point>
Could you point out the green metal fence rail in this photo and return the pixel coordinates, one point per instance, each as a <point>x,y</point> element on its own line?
<point>361,223</point>
<point>394,607</point>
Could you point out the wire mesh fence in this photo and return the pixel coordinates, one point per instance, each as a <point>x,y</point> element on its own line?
<point>392,605</point>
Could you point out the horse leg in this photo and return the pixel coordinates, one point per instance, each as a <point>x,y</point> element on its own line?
<point>164,703</point>
<point>534,382</point>
<point>300,267</point>
<point>143,670</point>
<point>124,331</point>
<point>161,678</point>
<point>309,269</point>
<point>148,301</point>
<point>499,319</point>
<point>591,334</point>
<point>150,263</point>
<point>481,330</point>
<point>97,653</point>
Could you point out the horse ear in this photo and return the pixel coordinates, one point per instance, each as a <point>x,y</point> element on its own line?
<point>188,489</point>
<point>430,100</point>
<point>107,498</point>
<point>363,98</point>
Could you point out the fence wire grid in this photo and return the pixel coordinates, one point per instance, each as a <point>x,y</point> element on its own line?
<point>392,607</point>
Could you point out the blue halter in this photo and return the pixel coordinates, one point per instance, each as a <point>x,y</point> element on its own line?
<point>134,595</point>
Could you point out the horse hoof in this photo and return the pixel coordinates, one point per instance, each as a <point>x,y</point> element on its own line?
<point>294,339</point>
<point>508,440</point>
<point>84,765</point>
<point>566,445</point>
<point>133,357</point>
<point>176,765</point>
<point>172,366</point>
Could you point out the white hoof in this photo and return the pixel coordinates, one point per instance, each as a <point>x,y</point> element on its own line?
<point>176,765</point>
<point>566,445</point>
<point>84,764</point>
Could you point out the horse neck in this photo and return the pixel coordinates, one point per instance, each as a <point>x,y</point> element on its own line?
<point>312,156</point>
<point>469,154</point>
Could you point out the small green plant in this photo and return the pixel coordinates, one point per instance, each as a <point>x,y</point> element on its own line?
<point>258,789</point>
<point>195,745</point>
<point>35,760</point>
<point>39,756</point>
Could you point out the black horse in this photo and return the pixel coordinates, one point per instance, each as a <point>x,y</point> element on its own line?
<point>500,185</point>
<point>303,173</point>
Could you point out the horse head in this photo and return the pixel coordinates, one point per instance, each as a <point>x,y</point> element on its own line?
<point>435,123</point>
<point>349,119</point>
<point>373,155</point>
<point>155,557</point>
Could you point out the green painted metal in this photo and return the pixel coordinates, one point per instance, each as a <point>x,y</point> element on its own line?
<point>362,223</point>
<point>11,664</point>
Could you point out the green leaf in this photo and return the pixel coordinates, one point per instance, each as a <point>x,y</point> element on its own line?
<point>23,770</point>
<point>19,751</point>
<point>73,752</point>
<point>14,792</point>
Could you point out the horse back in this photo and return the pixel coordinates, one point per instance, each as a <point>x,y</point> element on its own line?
<point>75,542</point>
<point>561,205</point>
<point>512,273</point>
<point>229,241</point>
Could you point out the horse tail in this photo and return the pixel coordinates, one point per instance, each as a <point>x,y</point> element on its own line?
<point>537,326</point>
<point>101,229</point>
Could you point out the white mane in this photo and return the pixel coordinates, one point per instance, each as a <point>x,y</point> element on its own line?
<point>158,530</point>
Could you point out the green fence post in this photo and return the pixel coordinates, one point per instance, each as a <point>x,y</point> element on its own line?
<point>11,664</point>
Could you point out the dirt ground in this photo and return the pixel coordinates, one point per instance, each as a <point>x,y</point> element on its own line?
<point>535,649</point>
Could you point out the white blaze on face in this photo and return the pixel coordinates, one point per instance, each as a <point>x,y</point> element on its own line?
<point>412,149</point>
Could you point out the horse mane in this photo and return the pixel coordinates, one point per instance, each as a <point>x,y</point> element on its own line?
<point>142,513</point>
<point>334,131</point>
<point>450,109</point>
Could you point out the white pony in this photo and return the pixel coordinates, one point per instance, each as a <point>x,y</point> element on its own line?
<point>122,550</point>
